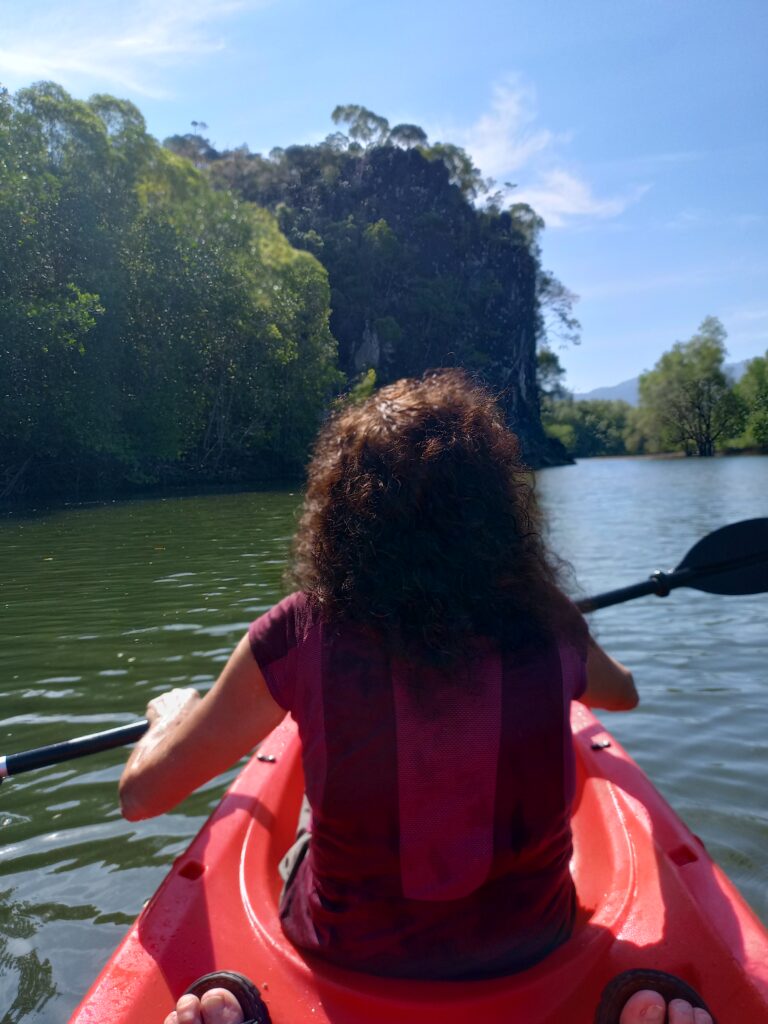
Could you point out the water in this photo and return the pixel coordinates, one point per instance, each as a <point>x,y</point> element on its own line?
<point>105,606</point>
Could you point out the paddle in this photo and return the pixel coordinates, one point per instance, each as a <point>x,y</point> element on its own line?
<point>55,753</point>
<point>731,560</point>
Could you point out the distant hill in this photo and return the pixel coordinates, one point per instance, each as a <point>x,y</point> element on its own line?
<point>628,390</point>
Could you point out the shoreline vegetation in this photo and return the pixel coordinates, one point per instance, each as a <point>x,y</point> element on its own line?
<point>688,406</point>
<point>20,508</point>
<point>27,507</point>
<point>175,317</point>
<point>727,453</point>
<point>172,315</point>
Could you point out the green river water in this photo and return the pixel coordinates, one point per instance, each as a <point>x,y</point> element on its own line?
<point>105,606</point>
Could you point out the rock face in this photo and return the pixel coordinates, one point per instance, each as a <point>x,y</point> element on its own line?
<point>420,278</point>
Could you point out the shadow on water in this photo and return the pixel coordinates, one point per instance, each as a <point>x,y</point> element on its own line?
<point>26,981</point>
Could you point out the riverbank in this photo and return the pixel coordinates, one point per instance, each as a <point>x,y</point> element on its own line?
<point>727,453</point>
<point>32,508</point>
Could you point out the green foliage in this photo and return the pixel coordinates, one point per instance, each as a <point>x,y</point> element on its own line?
<point>687,403</point>
<point>550,375</point>
<point>327,195</point>
<point>564,433</point>
<point>192,147</point>
<point>589,428</point>
<point>461,171</point>
<point>151,327</point>
<point>407,135</point>
<point>362,389</point>
<point>753,390</point>
<point>157,324</point>
<point>364,126</point>
<point>638,434</point>
<point>687,399</point>
<point>556,319</point>
<point>420,276</point>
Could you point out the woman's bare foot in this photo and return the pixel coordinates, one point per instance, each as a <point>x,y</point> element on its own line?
<point>216,1006</point>
<point>648,1007</point>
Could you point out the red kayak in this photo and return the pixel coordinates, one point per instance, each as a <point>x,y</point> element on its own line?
<point>650,897</point>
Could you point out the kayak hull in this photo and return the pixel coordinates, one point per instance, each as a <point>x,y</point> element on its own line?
<point>649,896</point>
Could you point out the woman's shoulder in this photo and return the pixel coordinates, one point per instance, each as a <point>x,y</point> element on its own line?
<point>297,601</point>
<point>289,621</point>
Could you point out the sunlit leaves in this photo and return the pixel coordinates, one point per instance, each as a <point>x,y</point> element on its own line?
<point>753,389</point>
<point>688,398</point>
<point>151,328</point>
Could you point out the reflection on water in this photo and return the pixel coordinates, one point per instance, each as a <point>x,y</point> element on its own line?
<point>20,925</point>
<point>105,606</point>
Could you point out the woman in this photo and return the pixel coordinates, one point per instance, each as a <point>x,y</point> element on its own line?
<point>430,660</point>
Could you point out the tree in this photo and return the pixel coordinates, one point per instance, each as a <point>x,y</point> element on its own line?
<point>550,374</point>
<point>461,169</point>
<point>421,275</point>
<point>407,135</point>
<point>152,328</point>
<point>192,146</point>
<point>589,428</point>
<point>753,389</point>
<point>365,127</point>
<point>556,302</point>
<point>688,397</point>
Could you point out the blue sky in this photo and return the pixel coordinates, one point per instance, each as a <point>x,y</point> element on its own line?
<point>637,129</point>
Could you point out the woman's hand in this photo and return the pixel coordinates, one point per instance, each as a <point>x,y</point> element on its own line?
<point>192,739</point>
<point>170,707</point>
<point>164,714</point>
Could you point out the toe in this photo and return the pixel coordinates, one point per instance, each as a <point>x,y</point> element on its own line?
<point>701,1017</point>
<point>681,1012</point>
<point>220,1007</point>
<point>188,1010</point>
<point>645,1007</point>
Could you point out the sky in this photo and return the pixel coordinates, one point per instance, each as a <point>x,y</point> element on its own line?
<point>636,128</point>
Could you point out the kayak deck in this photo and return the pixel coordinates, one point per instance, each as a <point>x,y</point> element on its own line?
<point>649,896</point>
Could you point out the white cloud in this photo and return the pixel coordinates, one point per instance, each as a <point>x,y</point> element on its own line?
<point>503,140</point>
<point>506,142</point>
<point>559,195</point>
<point>111,42</point>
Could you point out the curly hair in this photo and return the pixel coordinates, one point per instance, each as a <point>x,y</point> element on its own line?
<point>420,523</point>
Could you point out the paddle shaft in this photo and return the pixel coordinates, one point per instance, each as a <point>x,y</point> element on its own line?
<point>661,583</point>
<point>55,753</point>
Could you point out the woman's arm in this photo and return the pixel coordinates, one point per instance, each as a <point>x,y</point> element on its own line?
<point>610,684</point>
<point>191,740</point>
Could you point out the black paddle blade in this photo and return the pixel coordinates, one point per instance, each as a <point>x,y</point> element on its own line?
<point>732,560</point>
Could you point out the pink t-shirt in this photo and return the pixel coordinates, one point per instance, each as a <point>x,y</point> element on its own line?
<point>440,803</point>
